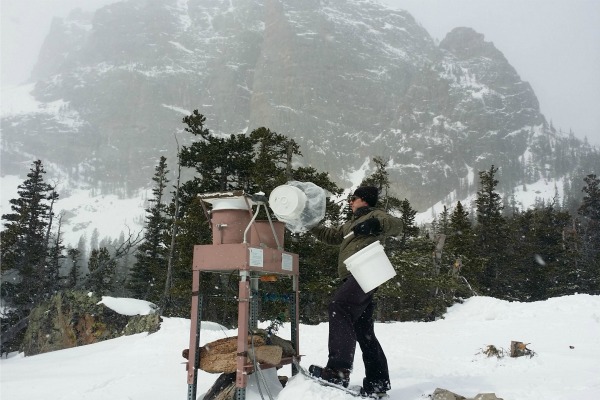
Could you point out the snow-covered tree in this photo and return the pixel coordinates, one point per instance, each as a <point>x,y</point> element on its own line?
<point>25,241</point>
<point>149,272</point>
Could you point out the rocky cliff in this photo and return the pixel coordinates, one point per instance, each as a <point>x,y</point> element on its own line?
<point>347,80</point>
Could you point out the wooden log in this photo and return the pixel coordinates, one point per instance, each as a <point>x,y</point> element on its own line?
<point>220,356</point>
<point>268,354</point>
<point>286,345</point>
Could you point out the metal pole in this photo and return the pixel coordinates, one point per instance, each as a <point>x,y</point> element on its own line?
<point>241,379</point>
<point>295,318</point>
<point>194,355</point>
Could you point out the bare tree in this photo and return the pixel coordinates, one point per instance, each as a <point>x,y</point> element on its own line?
<point>171,258</point>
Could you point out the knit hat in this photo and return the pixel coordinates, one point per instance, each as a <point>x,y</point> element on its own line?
<point>369,194</point>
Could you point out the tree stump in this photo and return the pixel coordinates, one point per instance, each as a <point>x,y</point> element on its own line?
<point>223,388</point>
<point>519,349</point>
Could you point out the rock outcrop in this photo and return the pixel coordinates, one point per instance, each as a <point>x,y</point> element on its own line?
<point>75,318</point>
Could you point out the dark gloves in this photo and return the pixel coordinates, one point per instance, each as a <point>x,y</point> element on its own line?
<point>372,226</point>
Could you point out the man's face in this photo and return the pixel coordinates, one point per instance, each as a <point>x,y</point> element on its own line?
<point>356,203</point>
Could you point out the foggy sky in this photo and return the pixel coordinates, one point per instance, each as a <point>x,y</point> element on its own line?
<point>554,45</point>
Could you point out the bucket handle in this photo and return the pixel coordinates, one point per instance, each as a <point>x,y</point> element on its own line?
<point>262,201</point>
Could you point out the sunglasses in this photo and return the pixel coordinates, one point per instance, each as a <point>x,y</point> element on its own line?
<point>352,198</point>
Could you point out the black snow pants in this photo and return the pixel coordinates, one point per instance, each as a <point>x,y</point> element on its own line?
<point>351,321</point>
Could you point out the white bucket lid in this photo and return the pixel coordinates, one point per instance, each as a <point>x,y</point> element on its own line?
<point>287,202</point>
<point>229,203</point>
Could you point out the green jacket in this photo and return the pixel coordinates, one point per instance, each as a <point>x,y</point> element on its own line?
<point>391,226</point>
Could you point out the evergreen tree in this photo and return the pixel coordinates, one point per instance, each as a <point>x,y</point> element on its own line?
<point>590,234</point>
<point>392,295</point>
<point>24,241</point>
<point>380,179</point>
<point>460,232</point>
<point>75,273</point>
<point>102,269</point>
<point>444,222</point>
<point>260,161</point>
<point>95,240</point>
<point>271,164</point>
<point>491,230</point>
<point>421,295</point>
<point>55,261</point>
<point>173,211</point>
<point>149,272</point>
<point>83,256</point>
<point>408,219</point>
<point>590,205</point>
<point>221,164</point>
<point>460,252</point>
<point>124,267</point>
<point>192,228</point>
<point>540,265</point>
<point>404,251</point>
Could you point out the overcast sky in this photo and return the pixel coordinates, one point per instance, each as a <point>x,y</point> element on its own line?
<point>553,44</point>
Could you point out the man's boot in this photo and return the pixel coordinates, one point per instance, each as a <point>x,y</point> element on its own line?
<point>337,376</point>
<point>377,389</point>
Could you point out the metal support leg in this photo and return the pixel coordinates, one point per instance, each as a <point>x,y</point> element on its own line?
<point>240,393</point>
<point>295,319</point>
<point>242,345</point>
<point>194,355</point>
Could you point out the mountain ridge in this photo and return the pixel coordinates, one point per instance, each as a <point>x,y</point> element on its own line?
<point>346,80</point>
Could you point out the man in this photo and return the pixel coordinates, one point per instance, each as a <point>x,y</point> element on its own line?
<point>351,309</point>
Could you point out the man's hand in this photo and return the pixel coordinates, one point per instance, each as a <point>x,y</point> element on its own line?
<point>372,226</point>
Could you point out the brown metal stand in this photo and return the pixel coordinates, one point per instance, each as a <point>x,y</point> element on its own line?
<point>249,260</point>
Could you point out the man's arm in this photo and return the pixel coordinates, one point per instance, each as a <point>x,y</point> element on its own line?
<point>390,226</point>
<point>332,236</point>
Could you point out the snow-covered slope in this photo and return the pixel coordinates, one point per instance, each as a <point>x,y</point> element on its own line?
<point>563,332</point>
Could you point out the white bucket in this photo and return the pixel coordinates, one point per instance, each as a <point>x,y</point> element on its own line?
<point>370,267</point>
<point>287,202</point>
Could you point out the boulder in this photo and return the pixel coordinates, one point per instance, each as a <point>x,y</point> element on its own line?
<point>74,318</point>
<point>443,394</point>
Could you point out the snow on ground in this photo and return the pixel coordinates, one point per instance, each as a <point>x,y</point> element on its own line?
<point>125,306</point>
<point>564,333</point>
